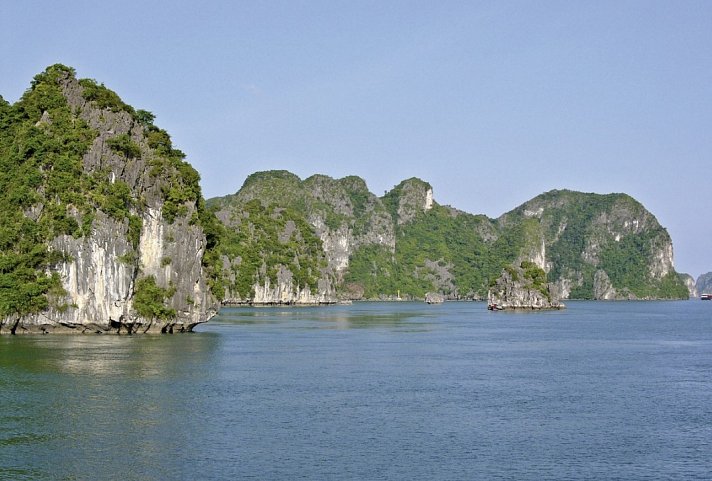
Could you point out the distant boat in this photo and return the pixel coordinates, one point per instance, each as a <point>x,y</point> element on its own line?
<point>706,297</point>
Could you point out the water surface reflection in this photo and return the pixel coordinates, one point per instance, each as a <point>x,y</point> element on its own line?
<point>363,315</point>
<point>369,391</point>
<point>80,407</point>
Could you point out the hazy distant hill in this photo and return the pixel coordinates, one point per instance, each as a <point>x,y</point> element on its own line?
<point>704,284</point>
<point>319,239</point>
<point>689,282</point>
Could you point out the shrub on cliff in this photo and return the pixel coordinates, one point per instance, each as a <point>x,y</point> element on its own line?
<point>150,299</point>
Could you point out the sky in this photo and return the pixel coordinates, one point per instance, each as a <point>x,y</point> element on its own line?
<point>491,102</point>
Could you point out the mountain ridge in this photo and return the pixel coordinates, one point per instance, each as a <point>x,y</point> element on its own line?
<point>602,246</point>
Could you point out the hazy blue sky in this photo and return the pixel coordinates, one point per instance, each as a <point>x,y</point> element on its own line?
<point>491,102</point>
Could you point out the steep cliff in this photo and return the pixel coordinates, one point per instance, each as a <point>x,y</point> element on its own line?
<point>591,246</point>
<point>103,224</point>
<point>408,199</point>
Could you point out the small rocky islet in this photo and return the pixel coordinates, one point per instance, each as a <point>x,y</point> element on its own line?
<point>105,229</point>
<point>523,287</point>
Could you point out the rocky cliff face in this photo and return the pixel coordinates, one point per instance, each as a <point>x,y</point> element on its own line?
<point>346,216</point>
<point>286,291</point>
<point>341,221</point>
<point>336,217</point>
<point>408,199</point>
<point>131,259</point>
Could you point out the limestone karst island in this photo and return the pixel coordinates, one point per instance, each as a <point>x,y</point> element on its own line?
<point>104,229</point>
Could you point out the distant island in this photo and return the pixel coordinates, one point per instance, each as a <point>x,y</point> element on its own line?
<point>523,287</point>
<point>105,229</point>
<point>321,239</point>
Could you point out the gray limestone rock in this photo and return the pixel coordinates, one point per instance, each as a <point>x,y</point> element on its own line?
<point>413,196</point>
<point>514,291</point>
<point>342,213</point>
<point>602,287</point>
<point>99,270</point>
<point>434,298</point>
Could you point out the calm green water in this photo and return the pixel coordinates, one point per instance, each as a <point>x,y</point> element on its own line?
<point>370,391</point>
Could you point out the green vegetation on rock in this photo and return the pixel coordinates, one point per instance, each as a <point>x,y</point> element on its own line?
<point>433,237</point>
<point>261,239</point>
<point>587,232</point>
<point>41,189</point>
<point>440,249</point>
<point>47,191</point>
<point>535,278</point>
<point>150,299</point>
<point>123,145</point>
<point>104,97</point>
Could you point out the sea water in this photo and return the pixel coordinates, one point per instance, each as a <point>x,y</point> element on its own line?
<point>392,391</point>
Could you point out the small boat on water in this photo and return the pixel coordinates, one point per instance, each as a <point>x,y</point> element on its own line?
<point>706,297</point>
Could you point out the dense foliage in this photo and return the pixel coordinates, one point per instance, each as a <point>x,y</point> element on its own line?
<point>535,278</point>
<point>150,299</point>
<point>573,223</point>
<point>261,240</point>
<point>103,97</point>
<point>439,249</point>
<point>41,191</point>
<point>123,145</point>
<point>437,236</point>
